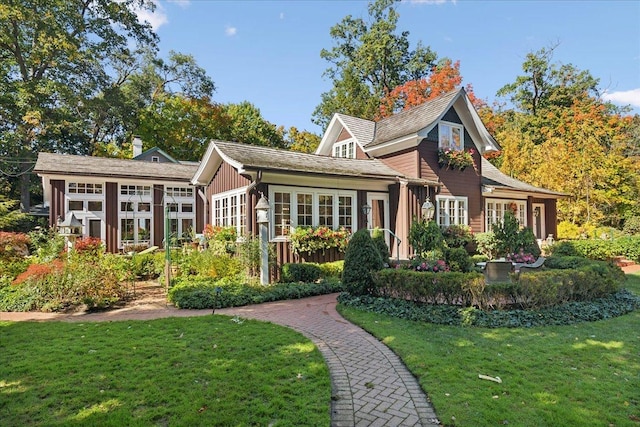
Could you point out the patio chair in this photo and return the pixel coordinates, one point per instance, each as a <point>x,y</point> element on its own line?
<point>497,272</point>
<point>537,264</point>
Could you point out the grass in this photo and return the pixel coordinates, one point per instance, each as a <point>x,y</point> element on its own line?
<point>584,374</point>
<point>201,371</point>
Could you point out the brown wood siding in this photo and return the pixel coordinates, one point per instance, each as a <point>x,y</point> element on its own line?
<point>111,217</point>
<point>200,212</point>
<point>361,200</point>
<point>467,183</point>
<point>226,178</point>
<point>394,200</point>
<point>158,215</point>
<point>252,200</point>
<point>344,134</point>
<point>405,162</point>
<point>56,207</point>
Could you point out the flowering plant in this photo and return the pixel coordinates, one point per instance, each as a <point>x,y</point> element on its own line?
<point>521,257</point>
<point>433,266</point>
<point>312,239</point>
<point>456,159</point>
<point>221,234</point>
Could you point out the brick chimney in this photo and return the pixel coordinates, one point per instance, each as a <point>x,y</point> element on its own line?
<point>137,146</point>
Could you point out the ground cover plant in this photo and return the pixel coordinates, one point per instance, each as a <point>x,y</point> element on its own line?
<point>582,374</point>
<point>200,371</point>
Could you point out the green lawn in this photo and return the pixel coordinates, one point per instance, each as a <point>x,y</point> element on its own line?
<point>204,371</point>
<point>579,375</point>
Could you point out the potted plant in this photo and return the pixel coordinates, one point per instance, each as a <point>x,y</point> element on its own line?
<point>456,159</point>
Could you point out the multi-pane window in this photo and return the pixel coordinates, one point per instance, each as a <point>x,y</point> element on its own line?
<point>282,213</point>
<point>180,204</point>
<point>451,136</point>
<point>325,210</point>
<point>452,210</point>
<point>76,205</point>
<point>179,191</point>
<point>345,149</point>
<point>135,214</point>
<point>303,207</point>
<point>495,210</point>
<point>84,188</point>
<point>230,209</point>
<point>345,212</point>
<point>135,190</point>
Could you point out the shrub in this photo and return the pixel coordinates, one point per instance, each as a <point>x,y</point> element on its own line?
<point>632,225</point>
<point>303,272</point>
<point>380,243</point>
<point>487,244</point>
<point>600,249</point>
<point>425,237</point>
<point>457,236</point>
<point>221,234</point>
<point>458,259</point>
<point>332,269</point>
<point>361,259</point>
<point>89,245</point>
<point>147,266</point>
<point>13,246</point>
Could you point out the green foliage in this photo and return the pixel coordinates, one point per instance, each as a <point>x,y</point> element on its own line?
<point>10,215</point>
<point>46,244</point>
<point>332,269</point>
<point>632,226</point>
<point>487,244</point>
<point>209,264</point>
<point>458,259</point>
<point>220,234</point>
<point>147,266</point>
<point>312,239</point>
<point>301,272</point>
<point>368,60</point>
<point>361,260</point>
<point>613,305</point>
<point>457,236</point>
<point>379,241</point>
<point>596,249</point>
<point>201,293</point>
<point>425,237</point>
<point>511,239</point>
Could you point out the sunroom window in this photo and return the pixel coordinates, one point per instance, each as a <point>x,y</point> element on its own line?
<point>229,210</point>
<point>451,136</point>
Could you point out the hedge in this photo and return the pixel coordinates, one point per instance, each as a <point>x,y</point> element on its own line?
<point>201,293</point>
<point>603,250</point>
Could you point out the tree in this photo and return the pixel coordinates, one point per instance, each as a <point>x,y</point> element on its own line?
<point>55,56</point>
<point>302,141</point>
<point>249,127</point>
<point>368,61</point>
<point>444,78</point>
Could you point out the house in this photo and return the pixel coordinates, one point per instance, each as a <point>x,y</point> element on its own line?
<point>373,174</point>
<point>364,174</point>
<point>124,202</point>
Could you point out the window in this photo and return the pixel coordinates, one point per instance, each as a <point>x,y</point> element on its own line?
<point>144,207</point>
<point>155,159</point>
<point>76,205</point>
<point>303,207</point>
<point>135,214</point>
<point>325,210</point>
<point>95,205</point>
<point>452,210</point>
<point>229,209</point>
<point>135,190</point>
<point>495,209</point>
<point>84,188</point>
<point>451,136</point>
<point>344,149</point>
<point>179,191</point>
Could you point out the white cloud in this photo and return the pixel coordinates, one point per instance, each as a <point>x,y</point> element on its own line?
<point>157,18</point>
<point>230,31</point>
<point>281,15</point>
<point>628,97</point>
<point>181,3</point>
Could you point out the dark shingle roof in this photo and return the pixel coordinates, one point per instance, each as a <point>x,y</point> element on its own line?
<point>492,176</point>
<point>361,129</point>
<point>256,157</point>
<point>412,120</point>
<point>67,164</point>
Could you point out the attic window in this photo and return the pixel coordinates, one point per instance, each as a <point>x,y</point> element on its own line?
<point>451,136</point>
<point>344,149</point>
<point>155,159</point>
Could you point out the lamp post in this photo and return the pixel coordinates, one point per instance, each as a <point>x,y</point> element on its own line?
<point>428,210</point>
<point>70,228</point>
<point>262,214</point>
<point>365,211</point>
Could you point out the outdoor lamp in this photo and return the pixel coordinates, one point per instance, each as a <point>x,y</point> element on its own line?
<point>262,210</point>
<point>71,226</point>
<point>428,210</point>
<point>366,209</point>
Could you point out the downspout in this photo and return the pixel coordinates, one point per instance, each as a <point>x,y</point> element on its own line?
<point>250,206</point>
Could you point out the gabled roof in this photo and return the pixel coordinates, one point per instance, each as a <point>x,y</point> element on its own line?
<point>414,119</point>
<point>246,157</point>
<point>67,164</point>
<point>492,177</point>
<point>361,129</point>
<point>155,150</point>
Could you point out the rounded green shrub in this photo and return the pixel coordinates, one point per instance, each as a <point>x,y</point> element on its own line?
<point>307,272</point>
<point>381,244</point>
<point>361,259</point>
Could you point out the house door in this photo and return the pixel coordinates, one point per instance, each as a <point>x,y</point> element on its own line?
<point>95,228</point>
<point>378,217</point>
<point>538,221</point>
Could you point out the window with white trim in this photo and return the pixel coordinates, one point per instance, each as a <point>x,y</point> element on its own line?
<point>450,136</point>
<point>303,207</point>
<point>134,213</point>
<point>345,149</point>
<point>452,210</point>
<point>84,188</point>
<point>229,210</point>
<point>495,209</point>
<point>86,200</point>
<point>180,203</point>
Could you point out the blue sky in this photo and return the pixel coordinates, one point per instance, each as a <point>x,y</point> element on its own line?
<point>268,52</point>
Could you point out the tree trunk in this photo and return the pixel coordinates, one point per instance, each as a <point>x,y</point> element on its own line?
<point>25,181</point>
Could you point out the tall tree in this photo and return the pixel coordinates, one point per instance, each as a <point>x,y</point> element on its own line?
<point>248,126</point>
<point>55,55</point>
<point>368,61</point>
<point>302,141</point>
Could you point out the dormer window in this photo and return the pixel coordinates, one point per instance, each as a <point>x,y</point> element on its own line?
<point>344,149</point>
<point>451,136</point>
